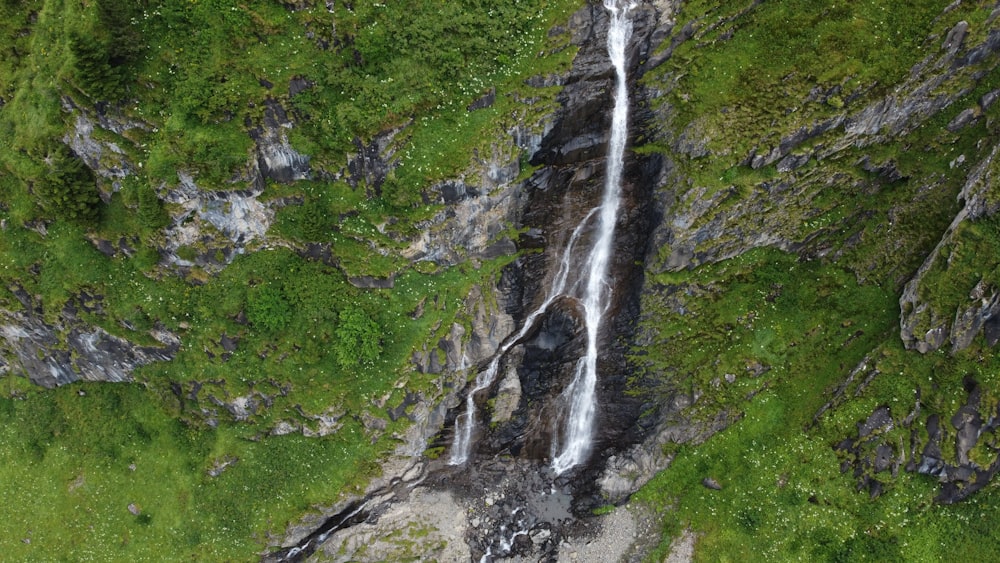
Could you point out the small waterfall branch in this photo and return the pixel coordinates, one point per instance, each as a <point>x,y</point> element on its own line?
<point>465,424</point>
<point>572,447</point>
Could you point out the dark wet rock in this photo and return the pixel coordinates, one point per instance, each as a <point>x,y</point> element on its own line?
<point>581,130</point>
<point>502,247</point>
<point>276,159</point>
<point>876,451</point>
<point>485,101</point>
<point>105,247</point>
<point>874,488</point>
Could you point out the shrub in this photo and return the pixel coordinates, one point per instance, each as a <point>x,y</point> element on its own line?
<point>358,338</point>
<point>267,308</point>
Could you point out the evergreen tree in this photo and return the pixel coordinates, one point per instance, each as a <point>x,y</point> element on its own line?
<point>94,73</point>
<point>151,212</point>
<point>103,57</point>
<point>67,189</point>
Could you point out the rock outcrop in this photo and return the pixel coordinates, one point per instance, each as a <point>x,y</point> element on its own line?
<point>55,353</point>
<point>214,223</point>
<point>276,159</point>
<point>961,453</point>
<point>927,326</point>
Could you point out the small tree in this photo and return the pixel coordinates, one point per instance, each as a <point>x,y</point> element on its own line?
<point>94,73</point>
<point>151,212</point>
<point>104,54</point>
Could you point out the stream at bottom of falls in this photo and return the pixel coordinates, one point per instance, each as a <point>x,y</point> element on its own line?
<point>523,509</point>
<point>497,509</point>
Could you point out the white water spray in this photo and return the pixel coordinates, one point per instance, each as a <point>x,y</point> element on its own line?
<point>575,444</point>
<point>580,397</point>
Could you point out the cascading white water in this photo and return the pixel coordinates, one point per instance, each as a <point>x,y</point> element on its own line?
<point>580,394</point>
<point>465,424</point>
<point>575,444</point>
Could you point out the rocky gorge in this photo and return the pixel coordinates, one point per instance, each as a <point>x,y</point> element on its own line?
<point>807,244</point>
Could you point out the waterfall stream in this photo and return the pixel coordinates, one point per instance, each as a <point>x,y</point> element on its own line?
<point>572,447</point>
<point>575,443</point>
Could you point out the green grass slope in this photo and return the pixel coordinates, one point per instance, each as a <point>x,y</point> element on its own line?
<point>786,319</point>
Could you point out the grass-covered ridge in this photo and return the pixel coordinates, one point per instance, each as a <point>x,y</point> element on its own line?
<point>767,338</point>
<point>111,475</point>
<point>160,467</point>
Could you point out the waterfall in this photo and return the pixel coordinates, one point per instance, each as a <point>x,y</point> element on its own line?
<point>579,395</point>
<point>575,445</point>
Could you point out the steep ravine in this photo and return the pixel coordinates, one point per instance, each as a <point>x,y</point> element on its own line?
<point>505,501</point>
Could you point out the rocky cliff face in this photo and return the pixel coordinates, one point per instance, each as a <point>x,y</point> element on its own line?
<point>69,349</point>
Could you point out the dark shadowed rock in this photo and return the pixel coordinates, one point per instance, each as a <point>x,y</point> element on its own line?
<point>485,101</point>
<point>276,159</point>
